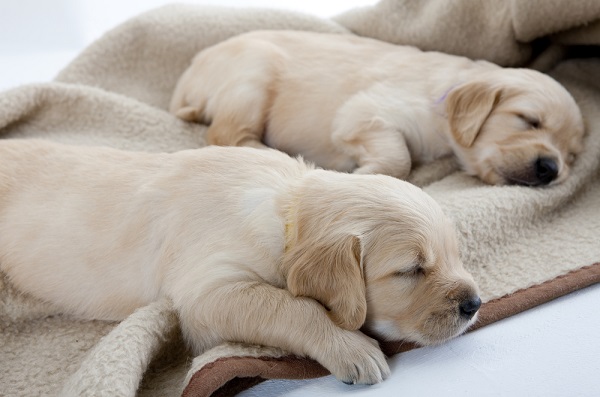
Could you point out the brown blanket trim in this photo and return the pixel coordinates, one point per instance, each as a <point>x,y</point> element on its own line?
<point>525,299</point>
<point>230,375</point>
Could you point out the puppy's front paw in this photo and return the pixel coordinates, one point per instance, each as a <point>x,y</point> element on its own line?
<point>356,359</point>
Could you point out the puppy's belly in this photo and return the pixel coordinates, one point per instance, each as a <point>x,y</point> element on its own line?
<point>55,253</point>
<point>74,290</point>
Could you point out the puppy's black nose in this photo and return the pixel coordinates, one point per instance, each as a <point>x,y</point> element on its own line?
<point>469,307</point>
<point>546,170</point>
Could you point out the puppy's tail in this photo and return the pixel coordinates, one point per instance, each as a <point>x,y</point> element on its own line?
<point>180,104</point>
<point>188,113</point>
<point>184,110</point>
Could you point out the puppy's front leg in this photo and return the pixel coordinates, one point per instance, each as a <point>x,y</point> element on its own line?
<point>259,313</point>
<point>377,147</point>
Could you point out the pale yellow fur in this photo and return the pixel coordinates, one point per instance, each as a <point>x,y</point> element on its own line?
<point>250,245</point>
<point>359,105</point>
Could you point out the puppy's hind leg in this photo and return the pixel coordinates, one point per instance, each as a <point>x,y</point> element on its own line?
<point>238,106</point>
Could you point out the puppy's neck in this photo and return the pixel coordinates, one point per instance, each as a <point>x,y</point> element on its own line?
<point>436,133</point>
<point>440,103</point>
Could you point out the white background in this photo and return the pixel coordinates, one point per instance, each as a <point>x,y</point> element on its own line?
<point>39,37</point>
<point>552,350</point>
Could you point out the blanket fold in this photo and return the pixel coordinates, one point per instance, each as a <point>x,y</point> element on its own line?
<point>117,363</point>
<point>155,48</point>
<point>534,19</point>
<point>504,32</point>
<point>54,111</point>
<point>524,246</point>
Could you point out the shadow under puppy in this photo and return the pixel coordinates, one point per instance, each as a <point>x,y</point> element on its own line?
<point>359,105</point>
<point>250,245</point>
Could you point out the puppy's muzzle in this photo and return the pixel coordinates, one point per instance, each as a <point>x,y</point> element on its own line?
<point>541,172</point>
<point>469,307</point>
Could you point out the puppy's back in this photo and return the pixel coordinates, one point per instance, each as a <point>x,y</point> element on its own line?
<point>91,229</point>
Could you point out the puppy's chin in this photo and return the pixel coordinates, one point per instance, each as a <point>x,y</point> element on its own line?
<point>388,330</point>
<point>492,177</point>
<point>481,164</point>
<point>487,173</point>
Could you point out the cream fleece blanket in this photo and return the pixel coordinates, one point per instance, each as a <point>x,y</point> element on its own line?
<point>117,91</point>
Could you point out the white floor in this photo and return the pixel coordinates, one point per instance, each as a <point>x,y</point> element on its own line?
<point>552,350</point>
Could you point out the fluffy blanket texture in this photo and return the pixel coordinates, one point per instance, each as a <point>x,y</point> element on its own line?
<point>523,245</point>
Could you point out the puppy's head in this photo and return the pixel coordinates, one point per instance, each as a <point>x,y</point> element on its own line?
<point>378,252</point>
<point>515,126</point>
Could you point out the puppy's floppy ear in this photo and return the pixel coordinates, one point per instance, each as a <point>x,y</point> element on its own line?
<point>331,273</point>
<point>468,106</point>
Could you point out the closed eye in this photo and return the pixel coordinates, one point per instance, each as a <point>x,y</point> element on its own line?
<point>416,271</point>
<point>533,122</point>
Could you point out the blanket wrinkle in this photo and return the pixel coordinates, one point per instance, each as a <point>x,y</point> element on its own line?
<point>54,111</point>
<point>502,31</point>
<point>533,19</point>
<point>116,93</point>
<point>477,30</point>
<point>588,35</point>
<point>123,355</point>
<point>155,48</point>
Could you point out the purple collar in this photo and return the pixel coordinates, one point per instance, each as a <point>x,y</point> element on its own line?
<point>443,97</point>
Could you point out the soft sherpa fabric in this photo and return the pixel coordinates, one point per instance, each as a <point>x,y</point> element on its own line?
<point>116,94</point>
<point>501,31</point>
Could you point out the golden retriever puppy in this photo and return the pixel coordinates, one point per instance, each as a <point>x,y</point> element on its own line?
<point>250,245</point>
<point>359,105</point>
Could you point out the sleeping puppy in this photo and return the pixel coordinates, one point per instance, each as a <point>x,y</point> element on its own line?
<point>359,105</point>
<point>250,245</point>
